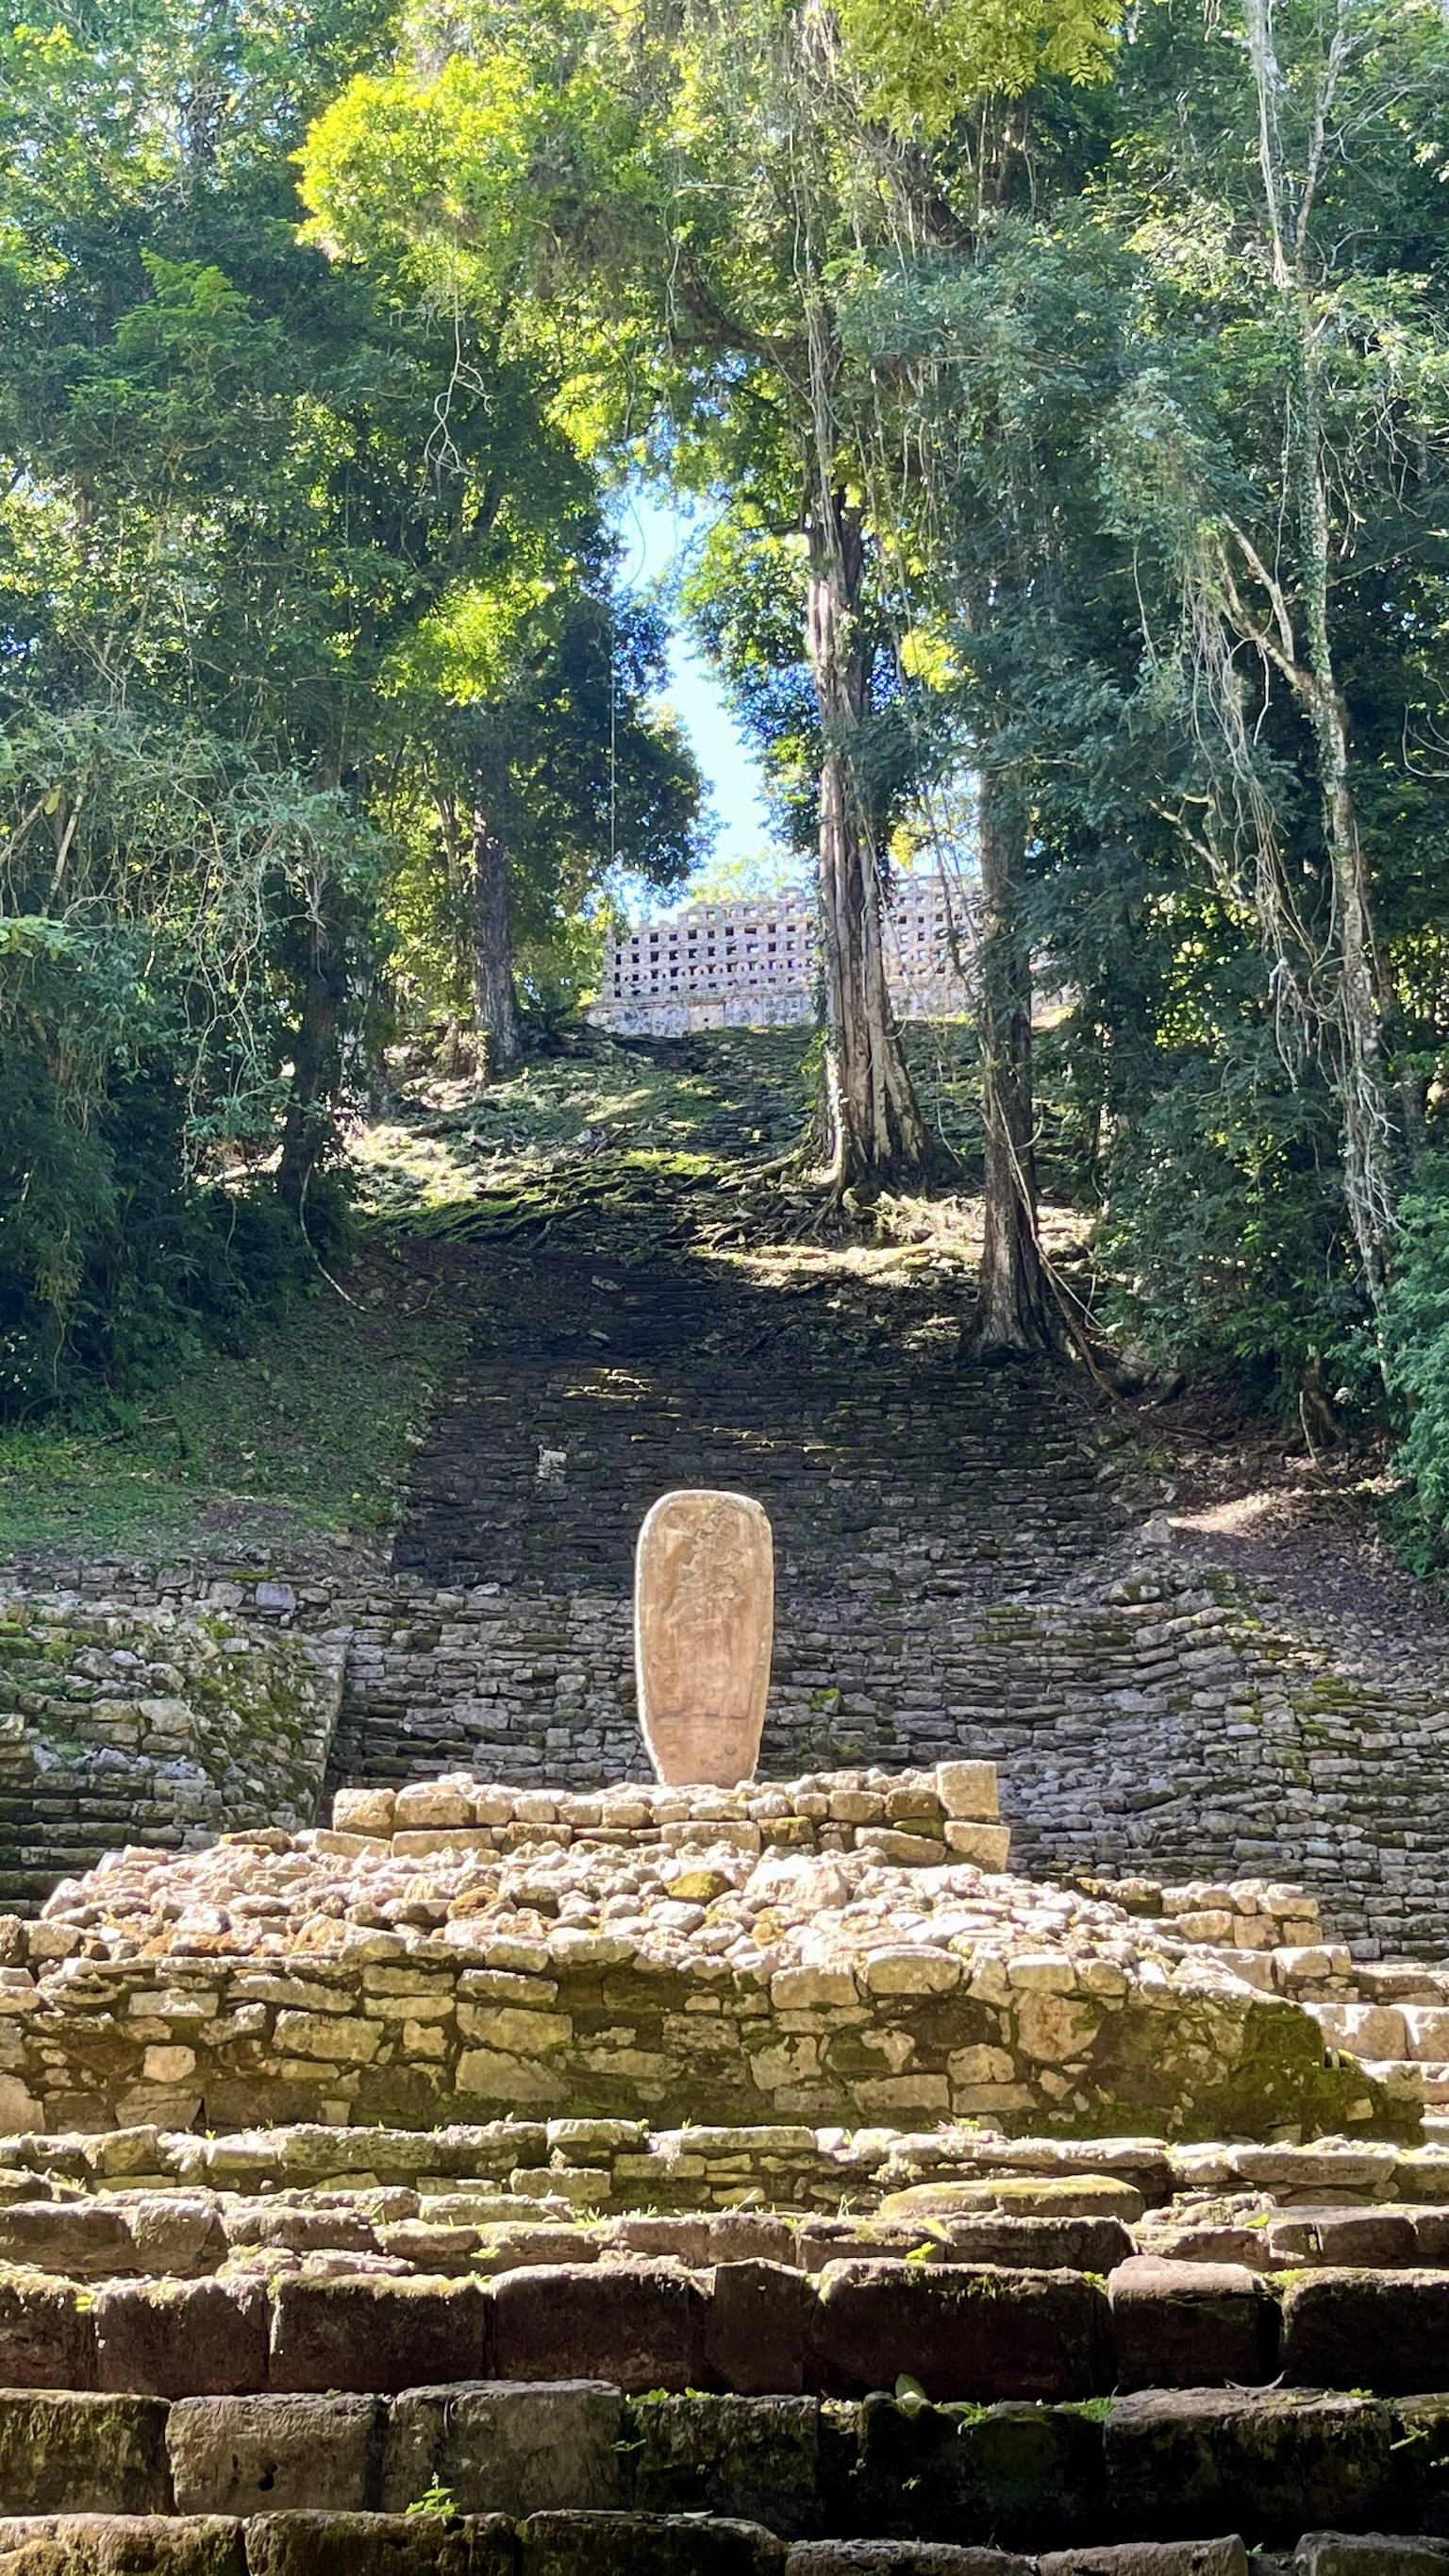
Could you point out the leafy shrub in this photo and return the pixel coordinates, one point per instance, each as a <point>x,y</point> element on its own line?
<point>115,1256</point>
<point>1415,1358</point>
<point>1224,1225</point>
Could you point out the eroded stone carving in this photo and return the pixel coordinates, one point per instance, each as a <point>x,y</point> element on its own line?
<point>704,1618</point>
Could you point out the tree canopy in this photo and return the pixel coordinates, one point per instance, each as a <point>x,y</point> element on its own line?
<point>1065,393</point>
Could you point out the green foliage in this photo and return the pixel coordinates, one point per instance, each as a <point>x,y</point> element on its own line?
<point>924,67</point>
<point>1224,1229</point>
<point>113,1256</point>
<point>1414,1353</point>
<point>325,335</point>
<point>436,2500</point>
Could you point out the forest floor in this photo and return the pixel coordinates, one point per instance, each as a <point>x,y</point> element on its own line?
<point>295,1447</point>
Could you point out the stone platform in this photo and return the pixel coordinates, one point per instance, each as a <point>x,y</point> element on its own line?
<point>692,1955</point>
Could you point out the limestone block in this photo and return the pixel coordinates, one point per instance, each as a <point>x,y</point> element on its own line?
<point>430,1802</point>
<point>893,1844</point>
<point>1032,2244</point>
<point>168,2064</point>
<point>338,2040</point>
<point>1427,2026</point>
<point>1310,1963</point>
<point>803,1989</point>
<point>1026,2474</point>
<point>962,2331</point>
<point>579,1950</point>
<point>1319,2172</point>
<point>88,2240</point>
<point>1191,2325</point>
<point>1422,2174</point>
<point>981,2064</point>
<point>1369,2030</point>
<point>639,2329</point>
<point>704,1626</point>
<point>1369,2553</point>
<point>503,2447</point>
<point>80,2454</point>
<point>1369,2236</point>
<point>373,2334</point>
<point>757,2329</point>
<point>175,2231</point>
<point>106,2544</point>
<point>47,2340</point>
<point>379,2544</point>
<point>1053,2029</point>
<point>989,1846</point>
<point>758,2457</point>
<point>364,1811</point>
<point>420,1841</point>
<point>911,1971</point>
<point>1152,2558</point>
<point>1352,2329</point>
<point>521,2034</point>
<point>626,2544</point>
<point>967,1790</point>
<point>1043,1972</point>
<point>182,2338</point>
<point>246,2455</point>
<point>19,2109</point>
<point>1080,2195</point>
<point>298,2231</point>
<point>491,2075</point>
<point>1261,2461</point>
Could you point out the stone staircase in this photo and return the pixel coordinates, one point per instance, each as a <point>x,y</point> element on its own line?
<point>958,1575</point>
<point>337,2318</point>
<point>530,2170</point>
<point>967,1568</point>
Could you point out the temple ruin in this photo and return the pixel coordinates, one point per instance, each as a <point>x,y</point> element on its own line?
<point>753,964</point>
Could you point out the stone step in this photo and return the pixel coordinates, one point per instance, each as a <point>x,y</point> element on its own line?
<point>963,2330</point>
<point>513,2461</point>
<point>335,2544</point>
<point>185,2235</point>
<point>820,1811</point>
<point>174,2201</point>
<point>1095,2222</point>
<point>537,2169</point>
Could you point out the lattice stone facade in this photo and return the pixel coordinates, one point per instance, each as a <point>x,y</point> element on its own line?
<point>754,964</point>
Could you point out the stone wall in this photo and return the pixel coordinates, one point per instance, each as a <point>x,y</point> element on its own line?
<point>1178,1729</point>
<point>155,1714</point>
<point>1175,1729</point>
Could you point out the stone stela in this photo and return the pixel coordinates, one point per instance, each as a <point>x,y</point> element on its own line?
<point>704,1616</point>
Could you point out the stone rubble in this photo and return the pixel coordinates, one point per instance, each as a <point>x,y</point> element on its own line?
<point>811,1950</point>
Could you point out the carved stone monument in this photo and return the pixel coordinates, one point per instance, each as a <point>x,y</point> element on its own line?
<point>704,1620</point>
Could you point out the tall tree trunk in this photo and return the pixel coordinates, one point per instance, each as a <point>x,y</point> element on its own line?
<point>874,1127</point>
<point>1364,1110</point>
<point>494,1009</point>
<point>1355,1001</point>
<point>310,1125</point>
<point>1013,1310</point>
